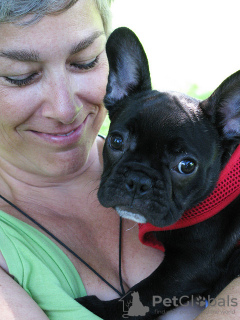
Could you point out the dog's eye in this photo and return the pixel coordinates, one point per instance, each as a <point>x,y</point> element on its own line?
<point>186,166</point>
<point>116,142</point>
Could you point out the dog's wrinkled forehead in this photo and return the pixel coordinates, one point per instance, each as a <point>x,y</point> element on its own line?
<point>159,121</point>
<point>169,108</point>
<point>158,113</point>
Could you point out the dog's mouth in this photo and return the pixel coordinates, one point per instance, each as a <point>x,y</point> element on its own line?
<point>132,214</point>
<point>127,213</point>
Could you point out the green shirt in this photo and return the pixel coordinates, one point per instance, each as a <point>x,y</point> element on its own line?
<point>42,269</point>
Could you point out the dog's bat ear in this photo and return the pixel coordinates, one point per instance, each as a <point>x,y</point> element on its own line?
<point>223,107</point>
<point>128,67</point>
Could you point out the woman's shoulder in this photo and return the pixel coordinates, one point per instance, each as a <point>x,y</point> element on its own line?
<point>3,263</point>
<point>23,246</point>
<point>40,267</point>
<point>15,301</point>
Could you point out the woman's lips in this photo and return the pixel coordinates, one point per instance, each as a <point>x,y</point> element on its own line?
<point>62,134</point>
<point>63,138</point>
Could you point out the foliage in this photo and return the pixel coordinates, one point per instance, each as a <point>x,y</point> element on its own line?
<point>105,126</point>
<point>194,92</point>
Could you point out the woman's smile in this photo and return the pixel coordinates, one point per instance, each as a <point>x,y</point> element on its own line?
<point>64,137</point>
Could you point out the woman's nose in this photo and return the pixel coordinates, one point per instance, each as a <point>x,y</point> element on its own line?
<point>61,103</point>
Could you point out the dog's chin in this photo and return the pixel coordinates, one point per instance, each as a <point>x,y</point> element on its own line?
<point>126,213</point>
<point>130,215</point>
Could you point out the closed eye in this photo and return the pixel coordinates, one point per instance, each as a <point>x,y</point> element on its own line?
<point>86,66</point>
<point>22,80</point>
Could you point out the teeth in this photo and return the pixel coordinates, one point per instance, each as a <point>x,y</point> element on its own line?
<point>64,135</point>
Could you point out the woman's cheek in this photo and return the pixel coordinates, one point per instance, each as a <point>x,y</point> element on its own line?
<point>95,84</point>
<point>18,102</point>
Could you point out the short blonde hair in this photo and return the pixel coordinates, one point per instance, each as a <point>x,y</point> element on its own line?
<point>14,10</point>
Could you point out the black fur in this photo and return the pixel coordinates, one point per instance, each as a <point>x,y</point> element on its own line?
<point>150,134</point>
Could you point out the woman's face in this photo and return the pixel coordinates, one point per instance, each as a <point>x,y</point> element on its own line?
<point>53,76</point>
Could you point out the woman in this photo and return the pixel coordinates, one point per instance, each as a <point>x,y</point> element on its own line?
<point>53,75</point>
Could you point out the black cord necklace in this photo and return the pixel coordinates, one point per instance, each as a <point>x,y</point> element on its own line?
<point>77,256</point>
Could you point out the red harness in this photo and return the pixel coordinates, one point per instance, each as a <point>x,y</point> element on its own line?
<point>226,190</point>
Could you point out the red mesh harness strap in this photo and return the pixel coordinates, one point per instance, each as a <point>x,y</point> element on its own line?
<point>226,190</point>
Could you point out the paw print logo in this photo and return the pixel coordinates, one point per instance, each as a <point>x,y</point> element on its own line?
<point>200,301</point>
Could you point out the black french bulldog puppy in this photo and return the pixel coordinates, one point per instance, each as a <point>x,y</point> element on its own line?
<point>163,155</point>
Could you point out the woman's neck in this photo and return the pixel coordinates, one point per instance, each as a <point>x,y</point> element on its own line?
<point>52,192</point>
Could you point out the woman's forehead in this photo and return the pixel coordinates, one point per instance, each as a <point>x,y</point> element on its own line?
<point>79,22</point>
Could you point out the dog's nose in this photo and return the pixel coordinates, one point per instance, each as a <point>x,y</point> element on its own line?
<point>138,184</point>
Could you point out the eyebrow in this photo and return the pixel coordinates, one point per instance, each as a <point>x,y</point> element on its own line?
<point>20,55</point>
<point>86,42</point>
<point>33,56</point>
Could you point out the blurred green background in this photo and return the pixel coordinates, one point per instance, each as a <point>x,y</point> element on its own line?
<point>192,45</point>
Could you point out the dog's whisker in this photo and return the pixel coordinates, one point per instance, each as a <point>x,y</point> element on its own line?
<point>132,227</point>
